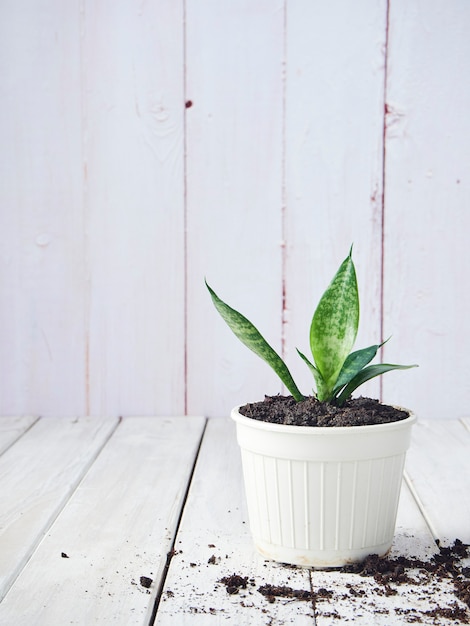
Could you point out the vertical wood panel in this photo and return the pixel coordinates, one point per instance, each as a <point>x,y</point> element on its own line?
<point>234,55</point>
<point>41,263</point>
<point>133,107</point>
<point>427,257</point>
<point>272,172</point>
<point>334,130</point>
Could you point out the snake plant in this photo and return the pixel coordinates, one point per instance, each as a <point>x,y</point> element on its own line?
<point>336,370</point>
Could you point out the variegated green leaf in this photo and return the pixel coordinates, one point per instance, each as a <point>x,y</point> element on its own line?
<point>367,374</point>
<point>354,363</point>
<point>335,322</point>
<point>320,383</point>
<point>251,337</point>
<point>336,371</point>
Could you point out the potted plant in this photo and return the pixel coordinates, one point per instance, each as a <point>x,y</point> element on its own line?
<point>321,490</point>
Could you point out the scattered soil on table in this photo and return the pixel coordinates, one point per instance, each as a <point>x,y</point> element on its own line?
<point>310,412</point>
<point>434,592</point>
<point>271,592</point>
<point>234,583</point>
<point>445,565</point>
<point>145,581</point>
<point>389,574</point>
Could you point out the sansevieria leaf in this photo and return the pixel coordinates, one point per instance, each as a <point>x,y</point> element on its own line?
<point>354,363</point>
<point>320,383</point>
<point>252,338</point>
<point>337,371</point>
<point>335,322</point>
<point>367,374</point>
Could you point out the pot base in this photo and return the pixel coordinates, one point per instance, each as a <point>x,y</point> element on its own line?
<point>318,559</point>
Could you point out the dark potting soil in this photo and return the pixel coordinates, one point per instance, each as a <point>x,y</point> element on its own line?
<point>446,564</point>
<point>145,581</point>
<point>310,412</point>
<point>389,574</point>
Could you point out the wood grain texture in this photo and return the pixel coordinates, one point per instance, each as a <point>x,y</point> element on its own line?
<point>12,428</point>
<point>37,477</point>
<point>133,149</point>
<point>307,127</point>
<point>437,466</point>
<point>194,594</point>
<point>234,55</point>
<point>193,590</point>
<point>117,527</point>
<point>334,91</point>
<point>141,496</point>
<point>427,256</point>
<point>41,220</point>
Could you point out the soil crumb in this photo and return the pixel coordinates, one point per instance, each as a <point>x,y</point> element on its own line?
<point>447,564</point>
<point>418,577</point>
<point>272,592</point>
<point>234,583</point>
<point>310,412</point>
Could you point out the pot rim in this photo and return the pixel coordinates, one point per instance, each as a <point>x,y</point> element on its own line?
<point>323,431</point>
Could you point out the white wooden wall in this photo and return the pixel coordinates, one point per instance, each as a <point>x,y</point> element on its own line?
<point>313,125</point>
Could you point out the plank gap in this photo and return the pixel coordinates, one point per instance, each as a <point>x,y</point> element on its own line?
<point>171,552</point>
<point>19,434</point>
<point>465,421</point>
<point>58,510</point>
<point>420,505</point>
<point>312,590</point>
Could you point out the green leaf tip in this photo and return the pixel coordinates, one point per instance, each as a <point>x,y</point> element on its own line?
<point>249,335</point>
<point>335,323</point>
<point>336,370</point>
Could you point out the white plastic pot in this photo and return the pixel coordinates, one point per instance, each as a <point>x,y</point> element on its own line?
<point>322,496</point>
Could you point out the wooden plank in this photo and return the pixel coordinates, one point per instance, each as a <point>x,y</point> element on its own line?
<point>234,56</point>
<point>412,537</point>
<point>193,593</point>
<point>42,270</point>
<point>133,105</point>
<point>427,256</point>
<point>214,541</point>
<point>11,429</point>
<point>37,477</point>
<point>118,526</point>
<point>334,119</point>
<point>438,472</point>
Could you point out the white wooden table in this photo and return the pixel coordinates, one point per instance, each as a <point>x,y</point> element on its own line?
<point>89,506</point>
